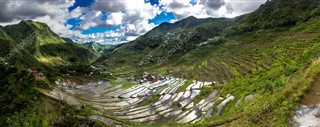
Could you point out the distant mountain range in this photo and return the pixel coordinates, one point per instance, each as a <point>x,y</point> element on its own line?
<point>258,68</point>
<point>186,43</point>
<point>167,45</point>
<point>99,48</point>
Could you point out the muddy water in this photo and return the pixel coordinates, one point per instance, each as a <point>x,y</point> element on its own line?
<point>308,114</point>
<point>307,117</point>
<point>85,86</point>
<point>96,88</point>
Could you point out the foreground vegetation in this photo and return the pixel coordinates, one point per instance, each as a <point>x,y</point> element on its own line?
<point>275,59</point>
<point>23,105</point>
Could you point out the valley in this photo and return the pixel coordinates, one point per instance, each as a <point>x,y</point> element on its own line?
<point>257,69</point>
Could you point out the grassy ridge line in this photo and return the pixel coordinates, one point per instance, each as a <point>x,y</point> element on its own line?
<point>283,102</point>
<point>276,109</point>
<point>298,53</point>
<point>282,51</point>
<point>45,45</point>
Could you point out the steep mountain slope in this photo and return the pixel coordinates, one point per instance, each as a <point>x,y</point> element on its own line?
<point>272,53</point>
<point>99,48</point>
<point>11,53</point>
<point>38,39</point>
<point>20,101</point>
<point>2,33</point>
<point>181,37</point>
<point>277,13</point>
<point>188,22</point>
<point>255,72</point>
<point>14,54</point>
<point>174,44</point>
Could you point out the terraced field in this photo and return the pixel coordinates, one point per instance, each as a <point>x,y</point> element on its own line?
<point>146,102</point>
<point>271,69</point>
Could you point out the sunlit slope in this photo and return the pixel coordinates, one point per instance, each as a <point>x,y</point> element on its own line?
<point>47,46</point>
<point>217,49</point>
<point>12,53</point>
<point>149,49</point>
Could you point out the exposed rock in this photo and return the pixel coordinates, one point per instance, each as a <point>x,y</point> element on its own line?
<point>237,103</point>
<point>249,97</point>
<point>223,103</point>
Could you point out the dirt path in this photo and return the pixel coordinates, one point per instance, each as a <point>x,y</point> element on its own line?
<point>308,114</point>
<point>312,97</point>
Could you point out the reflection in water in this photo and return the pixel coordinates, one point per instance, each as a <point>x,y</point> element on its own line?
<point>89,89</point>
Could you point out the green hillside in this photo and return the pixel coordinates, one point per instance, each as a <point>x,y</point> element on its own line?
<point>148,49</point>
<point>14,54</point>
<point>46,46</point>
<point>253,70</point>
<point>277,13</point>
<point>20,101</point>
<point>272,52</point>
<point>176,47</point>
<point>19,57</point>
<point>99,48</point>
<point>2,33</point>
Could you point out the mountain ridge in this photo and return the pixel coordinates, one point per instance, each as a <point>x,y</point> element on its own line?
<point>151,51</point>
<point>45,45</point>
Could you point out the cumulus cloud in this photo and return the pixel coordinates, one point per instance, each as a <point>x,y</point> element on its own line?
<point>135,14</point>
<point>91,18</point>
<point>75,13</point>
<point>29,9</point>
<point>131,16</point>
<point>54,13</point>
<point>109,6</point>
<point>183,8</point>
<point>210,8</point>
<point>213,4</point>
<point>237,7</point>
<point>115,19</point>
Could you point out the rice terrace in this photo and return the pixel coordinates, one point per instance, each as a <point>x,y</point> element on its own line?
<point>160,63</point>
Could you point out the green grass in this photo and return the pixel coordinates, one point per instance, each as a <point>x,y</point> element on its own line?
<point>127,85</point>
<point>149,100</point>
<point>276,54</point>
<point>46,46</point>
<point>258,62</point>
<point>294,52</point>
<point>205,92</point>
<point>184,86</point>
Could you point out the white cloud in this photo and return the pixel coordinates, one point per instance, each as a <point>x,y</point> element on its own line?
<point>91,18</point>
<point>75,13</point>
<point>237,7</point>
<point>53,13</point>
<point>132,15</point>
<point>183,8</point>
<point>115,19</point>
<point>210,8</point>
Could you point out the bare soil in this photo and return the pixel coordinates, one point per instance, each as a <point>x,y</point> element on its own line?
<point>312,97</point>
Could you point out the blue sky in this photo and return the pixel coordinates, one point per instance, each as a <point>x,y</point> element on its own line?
<point>116,21</point>
<point>75,22</point>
